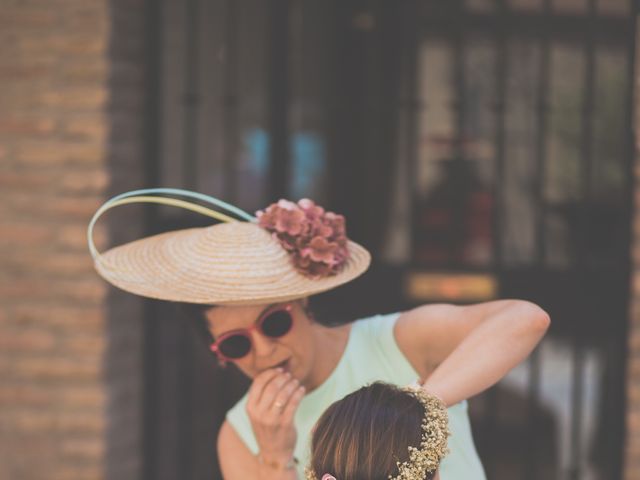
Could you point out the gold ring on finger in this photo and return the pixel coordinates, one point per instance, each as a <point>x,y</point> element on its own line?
<point>279,405</point>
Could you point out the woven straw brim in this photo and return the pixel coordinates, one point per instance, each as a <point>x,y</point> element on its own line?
<point>236,263</point>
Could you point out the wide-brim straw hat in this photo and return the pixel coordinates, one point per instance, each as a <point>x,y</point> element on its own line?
<point>233,263</point>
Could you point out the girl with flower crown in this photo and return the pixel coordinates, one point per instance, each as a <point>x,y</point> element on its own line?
<point>251,281</point>
<point>380,432</point>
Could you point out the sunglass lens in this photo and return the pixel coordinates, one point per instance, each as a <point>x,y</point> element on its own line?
<point>277,324</point>
<point>235,346</point>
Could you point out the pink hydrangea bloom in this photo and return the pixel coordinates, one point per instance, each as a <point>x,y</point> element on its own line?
<point>315,239</point>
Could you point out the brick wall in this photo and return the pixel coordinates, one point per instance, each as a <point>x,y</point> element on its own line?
<point>70,127</point>
<point>124,356</point>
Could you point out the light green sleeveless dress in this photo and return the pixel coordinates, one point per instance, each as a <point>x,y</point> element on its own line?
<point>372,354</point>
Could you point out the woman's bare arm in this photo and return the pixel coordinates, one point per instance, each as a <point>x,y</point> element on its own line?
<point>238,463</point>
<point>463,350</point>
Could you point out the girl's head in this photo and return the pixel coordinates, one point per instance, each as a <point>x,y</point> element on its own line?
<point>380,432</point>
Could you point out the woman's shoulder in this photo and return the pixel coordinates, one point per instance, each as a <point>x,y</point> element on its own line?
<point>377,324</point>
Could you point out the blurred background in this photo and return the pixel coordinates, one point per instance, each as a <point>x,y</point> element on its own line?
<point>480,149</point>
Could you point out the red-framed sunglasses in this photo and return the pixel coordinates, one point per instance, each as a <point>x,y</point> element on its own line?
<point>235,344</point>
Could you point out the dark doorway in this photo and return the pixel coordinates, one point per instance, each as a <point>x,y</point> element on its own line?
<point>479,148</point>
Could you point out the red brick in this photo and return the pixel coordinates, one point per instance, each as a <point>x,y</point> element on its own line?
<point>77,472</point>
<point>24,234</point>
<point>57,369</point>
<point>73,207</point>
<point>35,70</point>
<point>91,181</point>
<point>25,179</point>
<point>24,18</point>
<point>22,289</point>
<point>24,395</point>
<point>76,344</point>
<point>87,291</point>
<point>79,98</point>
<point>93,128</point>
<point>78,397</point>
<point>66,264</point>
<point>90,290</point>
<point>75,236</point>
<point>83,319</point>
<point>17,125</point>
<point>86,449</point>
<point>59,153</point>
<point>64,43</point>
<point>33,340</point>
<point>54,124</point>
<point>50,421</point>
<point>89,71</point>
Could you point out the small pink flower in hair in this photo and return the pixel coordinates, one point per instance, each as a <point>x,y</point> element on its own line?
<point>328,476</point>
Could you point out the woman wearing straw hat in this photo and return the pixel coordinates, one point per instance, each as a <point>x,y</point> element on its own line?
<point>252,277</point>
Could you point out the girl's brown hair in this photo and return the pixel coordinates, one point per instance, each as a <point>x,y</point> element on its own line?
<point>364,435</point>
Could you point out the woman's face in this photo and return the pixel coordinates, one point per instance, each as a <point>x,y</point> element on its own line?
<point>294,351</point>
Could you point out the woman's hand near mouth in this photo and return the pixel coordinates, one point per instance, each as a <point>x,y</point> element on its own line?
<point>272,402</point>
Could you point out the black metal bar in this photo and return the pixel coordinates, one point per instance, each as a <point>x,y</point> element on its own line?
<point>191,95</point>
<point>541,137</point>
<point>501,70</point>
<point>412,109</point>
<point>530,463</point>
<point>278,99</point>
<point>586,154</point>
<point>460,92</point>
<point>230,103</point>
<point>153,127</point>
<point>577,392</point>
<point>501,73</point>
<point>459,134</point>
<point>185,358</point>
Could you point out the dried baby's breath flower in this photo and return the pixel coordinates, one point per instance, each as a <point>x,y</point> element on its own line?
<point>426,457</point>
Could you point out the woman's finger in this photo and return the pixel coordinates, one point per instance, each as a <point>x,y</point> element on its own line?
<point>271,390</point>
<point>282,398</point>
<point>258,385</point>
<point>291,407</point>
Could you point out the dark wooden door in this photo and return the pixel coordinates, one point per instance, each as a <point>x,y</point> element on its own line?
<point>480,149</point>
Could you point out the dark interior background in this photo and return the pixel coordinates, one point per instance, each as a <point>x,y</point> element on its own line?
<point>480,149</point>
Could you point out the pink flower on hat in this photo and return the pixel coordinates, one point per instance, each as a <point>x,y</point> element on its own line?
<point>315,239</point>
<point>320,250</point>
<point>290,222</point>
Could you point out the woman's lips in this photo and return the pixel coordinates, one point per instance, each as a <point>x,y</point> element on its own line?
<point>284,365</point>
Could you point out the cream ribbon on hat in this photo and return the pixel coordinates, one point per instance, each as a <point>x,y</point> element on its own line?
<point>147,196</point>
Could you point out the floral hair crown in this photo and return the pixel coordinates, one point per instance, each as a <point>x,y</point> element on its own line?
<point>425,458</point>
<point>433,444</point>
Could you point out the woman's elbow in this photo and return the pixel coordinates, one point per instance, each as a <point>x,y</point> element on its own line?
<point>535,318</point>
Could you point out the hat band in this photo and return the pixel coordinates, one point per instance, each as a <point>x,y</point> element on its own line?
<point>146,196</point>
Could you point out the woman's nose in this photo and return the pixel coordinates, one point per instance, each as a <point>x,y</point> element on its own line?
<point>263,346</point>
